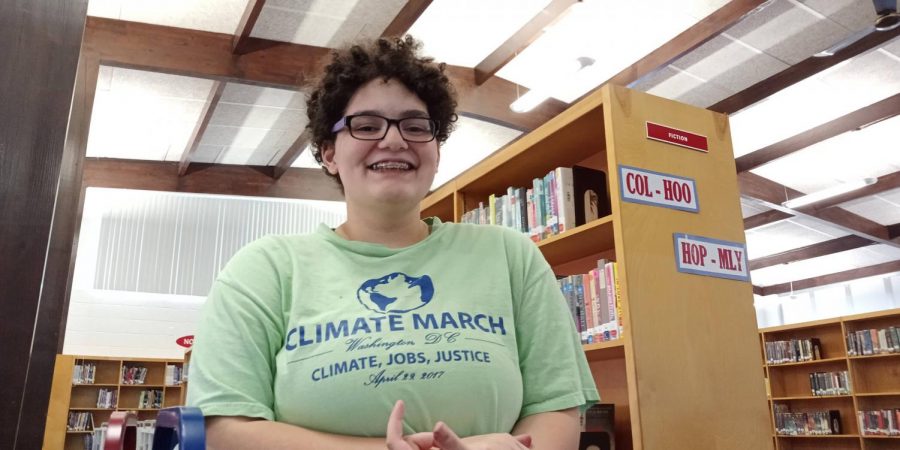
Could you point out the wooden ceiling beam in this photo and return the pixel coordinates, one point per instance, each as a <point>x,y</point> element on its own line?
<point>772,194</point>
<point>529,32</point>
<point>801,71</point>
<point>894,231</point>
<point>838,277</point>
<point>765,218</point>
<point>240,44</point>
<point>209,108</point>
<point>222,179</point>
<point>829,247</point>
<point>288,66</point>
<point>200,54</point>
<point>405,19</point>
<point>855,120</point>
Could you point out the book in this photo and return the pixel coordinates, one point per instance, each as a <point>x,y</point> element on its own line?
<point>522,202</point>
<point>612,325</point>
<point>565,198</point>
<point>599,427</point>
<point>492,205</point>
<point>578,281</point>
<point>618,288</point>
<point>539,208</point>
<point>602,304</point>
<point>590,193</point>
<point>834,421</point>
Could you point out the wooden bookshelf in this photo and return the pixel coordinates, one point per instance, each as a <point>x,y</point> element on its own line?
<point>684,374</point>
<point>67,396</point>
<point>874,380</point>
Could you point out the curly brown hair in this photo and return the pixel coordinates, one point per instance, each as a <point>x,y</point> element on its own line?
<point>389,58</point>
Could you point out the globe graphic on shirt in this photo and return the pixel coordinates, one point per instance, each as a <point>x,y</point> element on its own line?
<point>395,293</point>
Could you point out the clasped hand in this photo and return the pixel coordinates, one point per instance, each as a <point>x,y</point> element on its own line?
<point>443,438</point>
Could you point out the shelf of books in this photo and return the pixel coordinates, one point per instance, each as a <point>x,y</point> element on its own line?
<point>835,380</point>
<point>88,389</point>
<point>633,200</point>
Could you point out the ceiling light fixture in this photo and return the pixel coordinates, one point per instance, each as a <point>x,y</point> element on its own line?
<point>537,96</point>
<point>886,19</point>
<point>828,193</point>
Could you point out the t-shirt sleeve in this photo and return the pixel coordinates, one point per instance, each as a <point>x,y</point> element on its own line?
<point>232,365</point>
<point>555,373</point>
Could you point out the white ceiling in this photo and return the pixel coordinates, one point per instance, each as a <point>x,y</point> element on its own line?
<point>580,32</point>
<point>252,125</point>
<point>793,233</point>
<point>472,141</point>
<point>144,115</point>
<point>873,155</point>
<point>141,115</point>
<point>220,16</point>
<point>828,95</point>
<point>487,25</point>
<point>823,265</point>
<point>324,23</point>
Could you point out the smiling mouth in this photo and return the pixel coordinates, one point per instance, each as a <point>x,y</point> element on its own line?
<point>391,165</point>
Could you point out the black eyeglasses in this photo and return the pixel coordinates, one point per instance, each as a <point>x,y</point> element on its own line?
<point>369,127</point>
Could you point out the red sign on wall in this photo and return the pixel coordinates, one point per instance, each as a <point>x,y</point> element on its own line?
<point>678,137</point>
<point>185,341</point>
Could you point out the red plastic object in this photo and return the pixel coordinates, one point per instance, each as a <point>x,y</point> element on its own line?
<point>121,433</point>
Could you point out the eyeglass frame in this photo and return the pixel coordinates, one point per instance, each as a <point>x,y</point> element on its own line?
<point>344,124</point>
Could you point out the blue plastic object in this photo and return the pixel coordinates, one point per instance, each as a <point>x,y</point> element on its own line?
<point>181,425</point>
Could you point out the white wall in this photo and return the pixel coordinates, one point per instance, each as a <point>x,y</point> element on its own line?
<point>129,324</point>
<point>842,299</point>
<point>147,259</point>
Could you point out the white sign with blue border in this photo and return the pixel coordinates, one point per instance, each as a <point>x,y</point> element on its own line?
<point>711,257</point>
<point>658,189</point>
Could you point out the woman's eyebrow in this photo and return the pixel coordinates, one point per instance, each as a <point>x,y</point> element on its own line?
<point>414,113</point>
<point>403,114</point>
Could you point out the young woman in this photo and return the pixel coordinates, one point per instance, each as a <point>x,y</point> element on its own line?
<point>388,331</point>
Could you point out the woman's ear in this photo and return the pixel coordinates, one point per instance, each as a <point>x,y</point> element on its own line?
<point>328,158</point>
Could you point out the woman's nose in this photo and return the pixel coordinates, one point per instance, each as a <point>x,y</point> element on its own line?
<point>393,139</point>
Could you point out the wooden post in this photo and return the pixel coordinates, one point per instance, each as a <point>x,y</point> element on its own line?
<point>38,63</point>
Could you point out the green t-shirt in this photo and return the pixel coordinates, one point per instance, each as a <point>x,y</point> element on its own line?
<point>467,326</point>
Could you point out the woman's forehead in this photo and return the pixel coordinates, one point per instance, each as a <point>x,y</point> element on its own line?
<point>385,97</point>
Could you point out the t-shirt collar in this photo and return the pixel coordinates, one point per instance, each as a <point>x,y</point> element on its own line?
<point>371,249</point>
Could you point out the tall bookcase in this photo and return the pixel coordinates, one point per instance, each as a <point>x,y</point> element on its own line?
<point>685,374</point>
<point>874,380</point>
<point>67,396</point>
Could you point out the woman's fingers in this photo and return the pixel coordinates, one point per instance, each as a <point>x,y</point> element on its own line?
<point>420,440</point>
<point>524,439</point>
<point>394,433</point>
<point>446,439</point>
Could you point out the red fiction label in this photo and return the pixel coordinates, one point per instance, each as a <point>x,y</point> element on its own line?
<point>185,341</point>
<point>675,136</point>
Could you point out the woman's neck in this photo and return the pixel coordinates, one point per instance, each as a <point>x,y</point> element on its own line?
<point>390,230</point>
